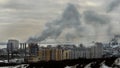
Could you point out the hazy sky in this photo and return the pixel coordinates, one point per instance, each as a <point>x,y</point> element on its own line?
<point>21,19</point>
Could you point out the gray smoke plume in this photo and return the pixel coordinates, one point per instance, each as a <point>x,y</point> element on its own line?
<point>113,5</point>
<point>96,24</point>
<point>93,18</point>
<point>69,37</point>
<point>70,19</point>
<point>100,23</point>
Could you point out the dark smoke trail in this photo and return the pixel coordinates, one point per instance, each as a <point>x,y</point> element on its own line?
<point>70,19</point>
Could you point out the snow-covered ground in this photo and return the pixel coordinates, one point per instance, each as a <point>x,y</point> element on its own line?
<point>116,64</point>
<point>88,66</point>
<point>102,65</point>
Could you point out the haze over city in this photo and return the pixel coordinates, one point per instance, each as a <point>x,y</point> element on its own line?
<point>29,19</point>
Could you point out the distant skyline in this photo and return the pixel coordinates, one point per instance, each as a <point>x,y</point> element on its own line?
<point>22,19</point>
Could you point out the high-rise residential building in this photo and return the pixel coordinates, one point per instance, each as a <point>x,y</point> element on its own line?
<point>58,54</point>
<point>33,49</point>
<point>78,52</point>
<point>47,54</point>
<point>66,54</point>
<point>87,53</point>
<point>63,53</point>
<point>53,55</point>
<point>96,51</point>
<point>40,55</point>
<point>99,50</point>
<point>12,45</point>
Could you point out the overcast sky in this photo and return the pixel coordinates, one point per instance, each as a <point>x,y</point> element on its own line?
<point>21,19</point>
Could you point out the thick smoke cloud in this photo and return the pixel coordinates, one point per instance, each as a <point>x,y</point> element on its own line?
<point>32,15</point>
<point>70,19</point>
<point>70,36</point>
<point>113,5</point>
<point>93,18</point>
<point>97,21</point>
<point>96,26</point>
